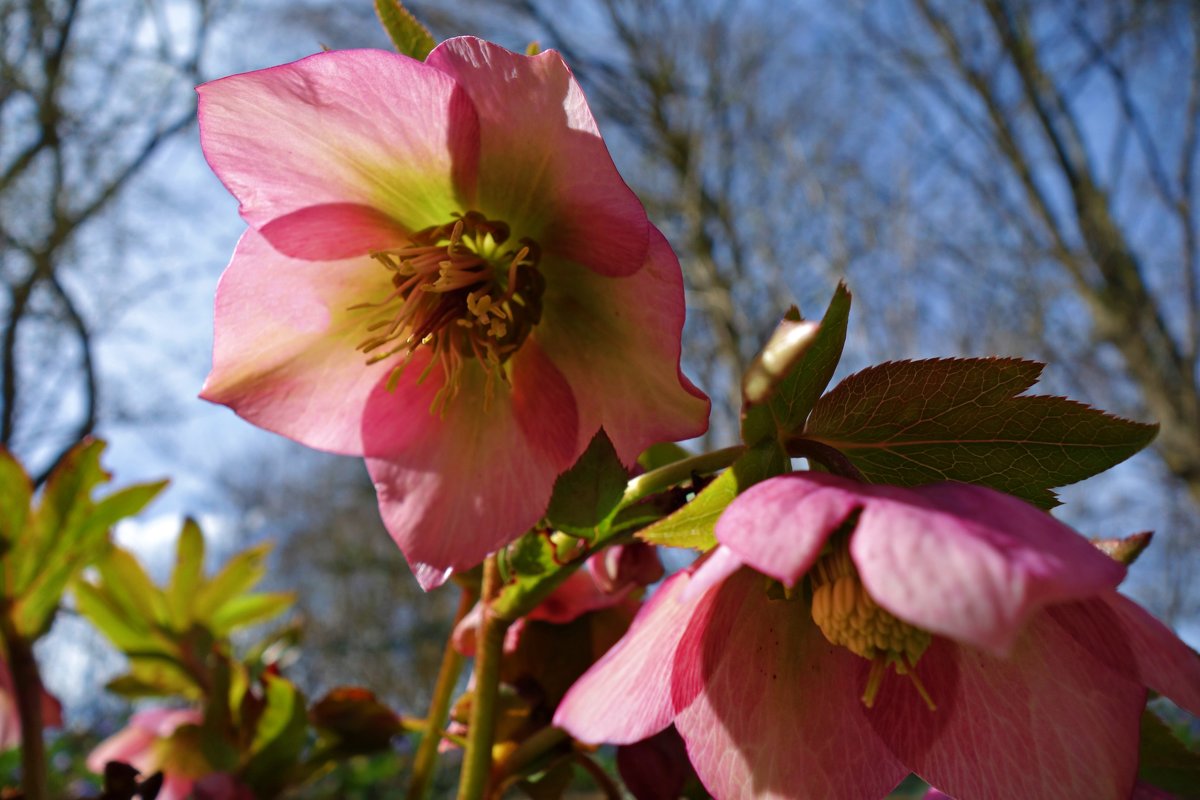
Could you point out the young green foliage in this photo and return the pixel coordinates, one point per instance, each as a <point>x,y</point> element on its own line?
<point>47,540</point>
<point>586,495</point>
<point>913,422</point>
<point>692,525</point>
<point>166,632</point>
<point>785,379</point>
<point>1165,762</point>
<point>410,37</point>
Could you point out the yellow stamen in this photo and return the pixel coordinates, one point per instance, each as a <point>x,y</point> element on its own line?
<point>849,617</point>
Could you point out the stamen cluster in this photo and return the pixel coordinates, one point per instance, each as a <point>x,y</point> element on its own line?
<point>849,617</point>
<point>461,290</point>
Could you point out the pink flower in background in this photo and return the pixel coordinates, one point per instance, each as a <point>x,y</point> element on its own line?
<point>143,744</point>
<point>10,717</point>
<point>844,634</point>
<point>445,274</point>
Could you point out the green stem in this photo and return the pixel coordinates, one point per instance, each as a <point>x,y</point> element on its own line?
<point>28,684</point>
<point>489,650</point>
<point>656,480</point>
<point>514,605</point>
<point>425,760</point>
<point>530,750</point>
<point>831,458</point>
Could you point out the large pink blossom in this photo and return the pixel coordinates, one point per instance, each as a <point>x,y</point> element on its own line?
<point>10,716</point>
<point>979,643</point>
<point>142,744</point>
<point>445,274</point>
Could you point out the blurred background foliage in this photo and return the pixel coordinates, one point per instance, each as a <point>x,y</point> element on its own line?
<point>989,176</point>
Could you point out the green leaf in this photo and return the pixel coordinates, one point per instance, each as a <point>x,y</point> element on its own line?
<point>126,582</point>
<point>16,493</point>
<point>278,738</point>
<point>798,392</point>
<point>692,526</point>
<point>913,422</point>
<point>1165,762</point>
<point>241,572</point>
<point>127,633</point>
<point>410,37</point>
<point>249,609</point>
<point>588,492</point>
<point>187,574</point>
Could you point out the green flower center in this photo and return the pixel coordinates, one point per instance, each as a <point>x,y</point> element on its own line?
<point>849,617</point>
<point>465,291</point>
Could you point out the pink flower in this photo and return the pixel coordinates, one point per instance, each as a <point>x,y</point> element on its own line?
<point>143,744</point>
<point>845,634</point>
<point>445,274</point>
<point>10,716</point>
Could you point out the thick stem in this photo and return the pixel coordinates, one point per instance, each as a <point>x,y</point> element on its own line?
<point>489,650</point>
<point>425,760</point>
<point>831,458</point>
<point>28,684</point>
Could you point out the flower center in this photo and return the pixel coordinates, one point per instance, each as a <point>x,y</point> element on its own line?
<point>463,290</point>
<point>851,618</point>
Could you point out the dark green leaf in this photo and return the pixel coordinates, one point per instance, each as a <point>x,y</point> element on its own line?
<point>588,492</point>
<point>914,422</point>
<point>278,738</point>
<point>692,526</point>
<point>1165,762</point>
<point>410,37</point>
<point>798,392</point>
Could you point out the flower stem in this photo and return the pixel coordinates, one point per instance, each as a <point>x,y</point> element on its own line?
<point>489,649</point>
<point>650,482</point>
<point>425,760</point>
<point>28,684</point>
<point>831,458</point>
<point>530,750</point>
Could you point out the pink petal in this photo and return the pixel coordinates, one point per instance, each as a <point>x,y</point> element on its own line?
<point>1043,723</point>
<point>333,231</point>
<point>968,562</point>
<point>1126,638</point>
<point>626,695</point>
<point>779,526</point>
<point>779,716</point>
<point>176,787</point>
<point>355,126</point>
<point>617,341</point>
<point>284,357</point>
<point>131,745</point>
<point>542,165</point>
<point>456,486</point>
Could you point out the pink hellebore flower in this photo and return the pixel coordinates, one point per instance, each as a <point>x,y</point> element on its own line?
<point>143,744</point>
<point>445,274</point>
<point>1016,669</point>
<point>10,716</point>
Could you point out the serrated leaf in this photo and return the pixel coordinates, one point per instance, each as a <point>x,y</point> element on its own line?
<point>187,575</point>
<point>410,37</point>
<point>913,422</point>
<point>589,491</point>
<point>692,525</point>
<point>239,574</point>
<point>278,738</point>
<point>1165,762</point>
<point>249,609</point>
